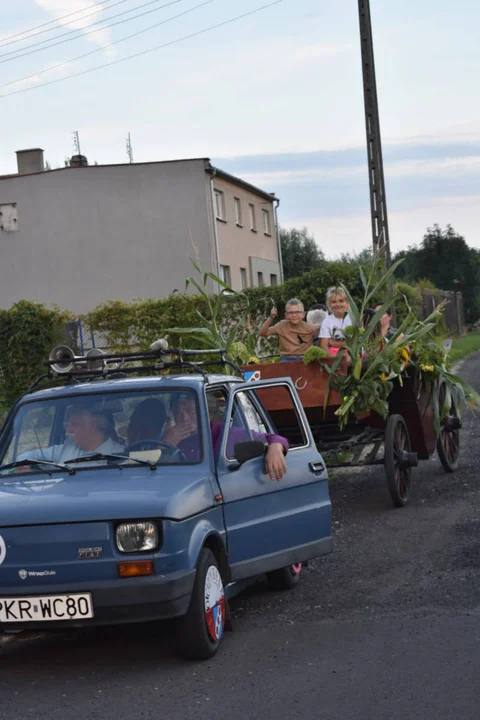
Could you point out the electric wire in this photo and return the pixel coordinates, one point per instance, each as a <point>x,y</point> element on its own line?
<point>81,31</point>
<point>9,40</point>
<point>105,47</point>
<point>145,52</point>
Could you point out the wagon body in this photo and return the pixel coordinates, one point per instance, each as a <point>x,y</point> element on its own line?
<point>407,434</point>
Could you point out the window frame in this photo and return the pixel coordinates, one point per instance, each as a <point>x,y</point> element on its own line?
<point>237,203</point>
<point>260,283</point>
<point>252,217</point>
<point>226,275</point>
<point>268,422</point>
<point>220,205</point>
<point>266,222</point>
<point>273,275</point>
<point>58,424</point>
<point>244,275</point>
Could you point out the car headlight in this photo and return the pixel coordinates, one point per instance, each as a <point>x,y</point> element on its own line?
<point>137,537</point>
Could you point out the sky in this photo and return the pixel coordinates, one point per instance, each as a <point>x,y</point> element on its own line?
<point>275,97</point>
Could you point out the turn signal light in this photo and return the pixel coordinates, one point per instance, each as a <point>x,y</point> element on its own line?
<point>134,569</point>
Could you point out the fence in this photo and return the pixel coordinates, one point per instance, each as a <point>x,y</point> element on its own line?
<point>454,312</point>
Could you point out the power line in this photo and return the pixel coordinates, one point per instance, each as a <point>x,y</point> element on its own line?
<point>145,52</point>
<point>81,31</point>
<point>57,20</point>
<point>105,47</point>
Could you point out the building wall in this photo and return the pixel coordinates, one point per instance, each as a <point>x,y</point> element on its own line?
<point>240,246</point>
<point>90,234</point>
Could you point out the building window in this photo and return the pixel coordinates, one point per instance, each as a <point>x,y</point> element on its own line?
<point>238,212</point>
<point>225,274</point>
<point>8,217</point>
<point>220,205</point>
<point>273,279</point>
<point>266,222</point>
<point>253,220</point>
<point>243,278</point>
<point>260,278</point>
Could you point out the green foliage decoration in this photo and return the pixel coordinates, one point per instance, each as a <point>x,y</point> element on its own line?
<point>28,332</point>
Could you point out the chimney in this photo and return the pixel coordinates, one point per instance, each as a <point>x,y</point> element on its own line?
<point>30,161</point>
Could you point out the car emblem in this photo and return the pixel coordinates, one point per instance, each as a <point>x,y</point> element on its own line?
<point>89,553</point>
<point>23,574</point>
<point>3,550</point>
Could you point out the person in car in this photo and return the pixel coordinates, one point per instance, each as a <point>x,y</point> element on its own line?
<point>149,422</point>
<point>88,431</point>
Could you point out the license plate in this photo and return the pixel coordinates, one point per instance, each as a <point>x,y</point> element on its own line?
<point>45,608</point>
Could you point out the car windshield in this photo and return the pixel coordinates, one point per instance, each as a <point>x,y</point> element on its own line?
<point>102,429</point>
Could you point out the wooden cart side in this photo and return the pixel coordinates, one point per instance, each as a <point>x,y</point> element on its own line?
<point>310,382</point>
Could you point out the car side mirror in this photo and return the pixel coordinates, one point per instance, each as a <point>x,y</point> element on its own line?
<point>248,450</point>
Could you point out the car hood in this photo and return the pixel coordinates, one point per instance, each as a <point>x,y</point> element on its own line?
<point>105,494</point>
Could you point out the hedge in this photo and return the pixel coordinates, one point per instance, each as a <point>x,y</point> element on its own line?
<point>29,330</point>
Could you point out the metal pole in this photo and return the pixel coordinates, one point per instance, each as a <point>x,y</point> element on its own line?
<point>378,201</point>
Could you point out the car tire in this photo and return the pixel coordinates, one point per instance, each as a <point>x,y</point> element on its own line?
<point>200,631</point>
<point>286,578</point>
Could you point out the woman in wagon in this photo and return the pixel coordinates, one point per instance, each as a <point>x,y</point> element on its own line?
<point>331,332</point>
<point>295,335</point>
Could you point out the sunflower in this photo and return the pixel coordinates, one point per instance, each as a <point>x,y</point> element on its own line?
<point>405,355</point>
<point>253,360</point>
<point>384,376</point>
<point>426,367</point>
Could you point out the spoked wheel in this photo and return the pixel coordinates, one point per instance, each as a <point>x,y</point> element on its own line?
<point>398,460</point>
<point>448,442</point>
<point>286,578</point>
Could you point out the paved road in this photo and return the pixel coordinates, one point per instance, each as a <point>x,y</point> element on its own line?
<point>387,626</point>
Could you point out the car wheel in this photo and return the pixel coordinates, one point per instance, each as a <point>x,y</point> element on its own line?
<point>286,578</point>
<point>200,631</point>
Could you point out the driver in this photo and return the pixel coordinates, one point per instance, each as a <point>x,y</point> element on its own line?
<point>149,420</point>
<point>184,433</point>
<point>88,431</point>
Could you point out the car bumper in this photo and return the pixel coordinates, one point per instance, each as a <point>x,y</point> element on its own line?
<point>128,600</point>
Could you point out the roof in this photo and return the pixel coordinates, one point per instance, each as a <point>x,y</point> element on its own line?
<point>241,183</point>
<point>208,166</point>
<point>130,384</point>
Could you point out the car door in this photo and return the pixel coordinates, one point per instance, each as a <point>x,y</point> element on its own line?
<point>272,524</point>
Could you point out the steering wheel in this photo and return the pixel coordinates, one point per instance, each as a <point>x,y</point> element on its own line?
<point>155,445</point>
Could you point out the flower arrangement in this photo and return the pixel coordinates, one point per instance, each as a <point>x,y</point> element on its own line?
<point>314,355</point>
<point>373,363</point>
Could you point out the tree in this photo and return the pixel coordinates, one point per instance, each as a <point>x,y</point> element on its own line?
<point>300,252</point>
<point>445,259</point>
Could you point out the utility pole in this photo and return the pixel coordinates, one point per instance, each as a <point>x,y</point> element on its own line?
<point>378,200</point>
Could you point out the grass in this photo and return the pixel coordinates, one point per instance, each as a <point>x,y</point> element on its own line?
<point>464,346</point>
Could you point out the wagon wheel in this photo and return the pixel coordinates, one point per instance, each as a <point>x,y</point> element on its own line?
<point>398,460</point>
<point>448,441</point>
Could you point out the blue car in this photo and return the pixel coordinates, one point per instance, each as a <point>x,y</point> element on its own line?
<point>128,498</point>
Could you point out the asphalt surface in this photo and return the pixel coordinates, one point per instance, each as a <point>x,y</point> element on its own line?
<point>387,626</point>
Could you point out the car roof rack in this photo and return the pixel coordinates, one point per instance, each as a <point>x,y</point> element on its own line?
<point>64,367</point>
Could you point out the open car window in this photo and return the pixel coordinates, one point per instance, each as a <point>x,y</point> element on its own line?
<point>67,428</point>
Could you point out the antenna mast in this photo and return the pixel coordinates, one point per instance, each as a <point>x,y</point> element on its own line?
<point>76,142</point>
<point>129,149</point>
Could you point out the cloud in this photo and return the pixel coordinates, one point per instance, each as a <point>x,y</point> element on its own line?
<point>59,8</point>
<point>53,71</point>
<point>337,234</point>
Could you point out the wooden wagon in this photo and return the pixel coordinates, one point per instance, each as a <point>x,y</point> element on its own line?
<point>407,435</point>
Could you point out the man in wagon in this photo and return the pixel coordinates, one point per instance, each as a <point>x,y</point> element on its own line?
<point>295,335</point>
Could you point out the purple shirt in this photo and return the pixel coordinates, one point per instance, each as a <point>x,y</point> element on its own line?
<point>191,446</point>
